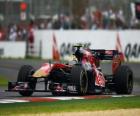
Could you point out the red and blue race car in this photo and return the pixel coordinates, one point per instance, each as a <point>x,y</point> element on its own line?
<point>81,76</point>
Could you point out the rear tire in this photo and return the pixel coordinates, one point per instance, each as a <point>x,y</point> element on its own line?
<point>123,80</point>
<point>80,79</point>
<point>23,76</point>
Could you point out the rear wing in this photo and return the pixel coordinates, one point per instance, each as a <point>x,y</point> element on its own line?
<point>102,54</point>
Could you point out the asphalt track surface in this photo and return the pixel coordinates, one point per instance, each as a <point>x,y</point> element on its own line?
<point>10,67</point>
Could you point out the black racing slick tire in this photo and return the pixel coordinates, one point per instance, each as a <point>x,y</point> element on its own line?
<point>123,80</point>
<point>80,79</point>
<point>24,75</point>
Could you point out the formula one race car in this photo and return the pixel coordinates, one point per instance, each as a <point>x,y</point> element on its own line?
<point>81,76</point>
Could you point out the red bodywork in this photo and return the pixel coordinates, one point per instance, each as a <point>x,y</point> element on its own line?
<point>89,59</point>
<point>81,76</point>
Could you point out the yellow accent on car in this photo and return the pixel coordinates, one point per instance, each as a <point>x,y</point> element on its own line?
<point>40,73</point>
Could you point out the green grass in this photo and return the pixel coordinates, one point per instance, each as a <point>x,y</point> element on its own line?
<point>3,81</point>
<point>70,106</point>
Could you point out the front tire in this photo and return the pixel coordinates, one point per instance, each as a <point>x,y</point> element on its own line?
<point>123,80</point>
<point>80,79</point>
<point>24,76</point>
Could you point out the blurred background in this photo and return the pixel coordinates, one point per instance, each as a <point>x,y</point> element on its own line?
<point>20,15</point>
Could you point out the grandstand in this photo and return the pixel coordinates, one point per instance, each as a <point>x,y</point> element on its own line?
<point>10,9</point>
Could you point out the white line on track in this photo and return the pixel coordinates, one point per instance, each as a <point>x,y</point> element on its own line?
<point>123,95</point>
<point>64,98</point>
<point>12,101</point>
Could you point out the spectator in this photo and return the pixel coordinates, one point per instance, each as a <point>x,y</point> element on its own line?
<point>120,21</point>
<point>49,23</point>
<point>30,34</point>
<point>56,22</point>
<point>106,19</point>
<point>1,33</point>
<point>84,24</point>
<point>12,33</point>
